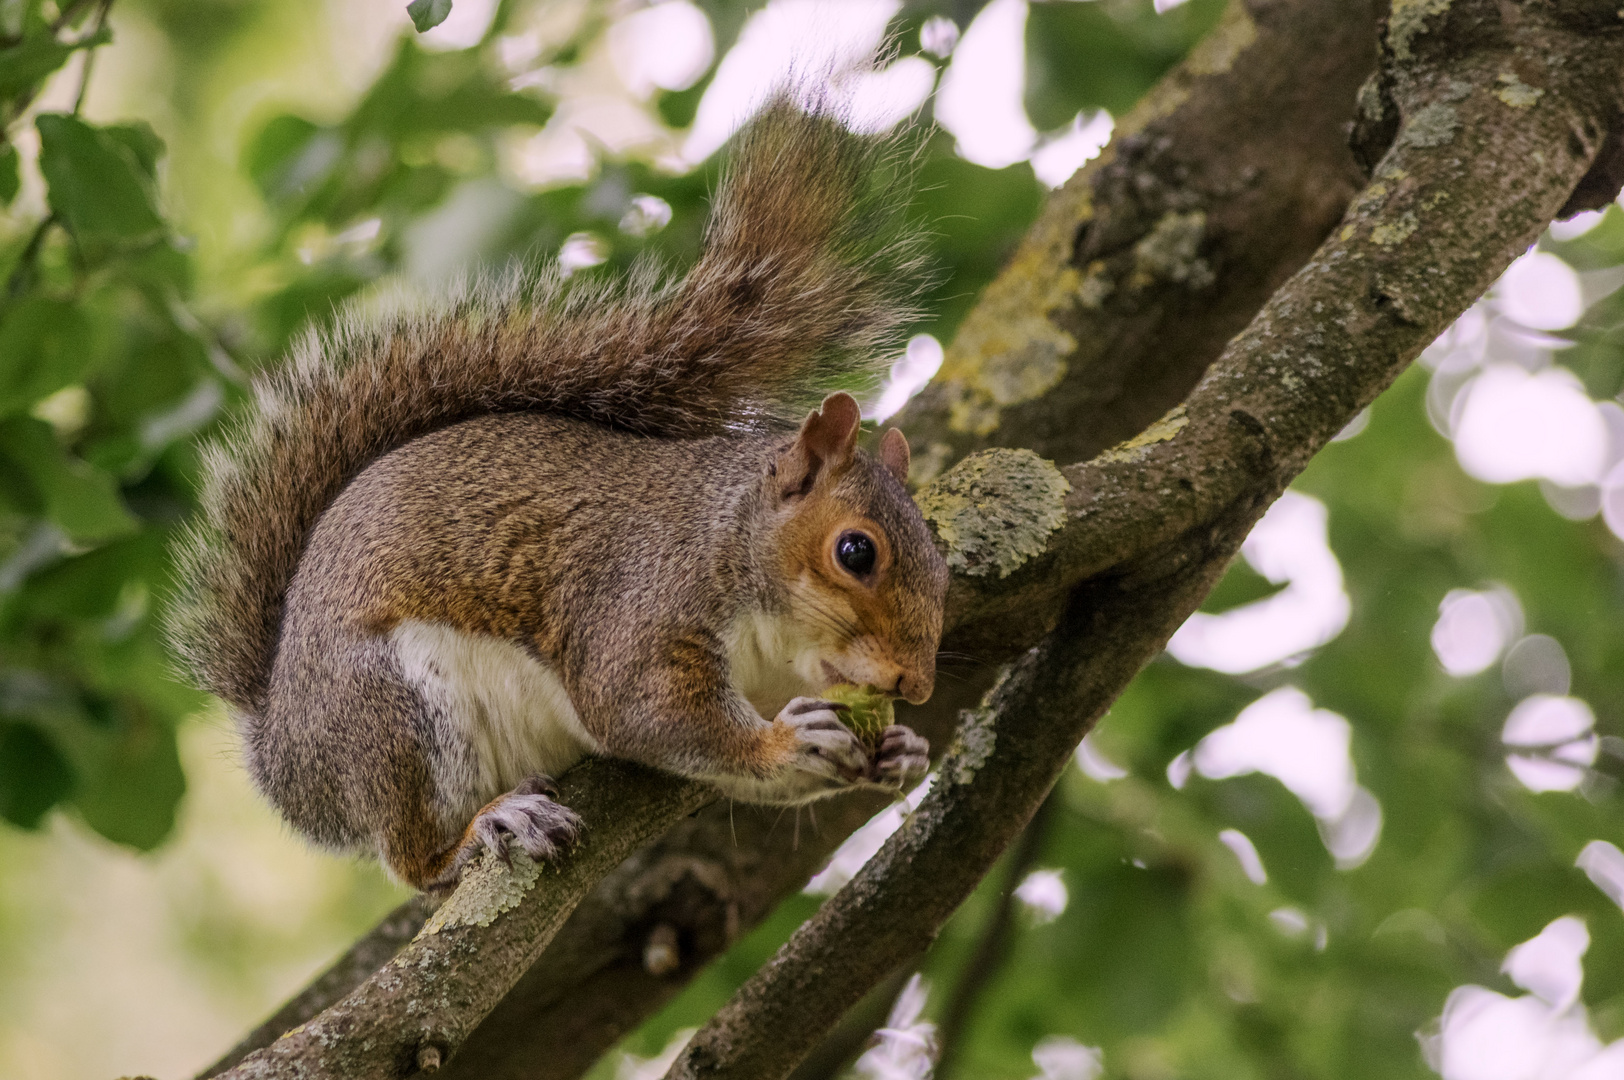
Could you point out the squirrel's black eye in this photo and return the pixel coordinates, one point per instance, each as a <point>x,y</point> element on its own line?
<point>855,551</point>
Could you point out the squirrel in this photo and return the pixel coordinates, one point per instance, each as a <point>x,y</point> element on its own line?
<point>449,550</point>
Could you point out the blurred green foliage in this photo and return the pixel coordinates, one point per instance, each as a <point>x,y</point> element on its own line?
<point>118,354</point>
<point>101,374</point>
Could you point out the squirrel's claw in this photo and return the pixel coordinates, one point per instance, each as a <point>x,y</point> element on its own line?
<point>527,816</point>
<point>901,759</point>
<point>825,747</point>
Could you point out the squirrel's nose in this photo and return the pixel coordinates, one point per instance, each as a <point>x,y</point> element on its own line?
<point>914,687</point>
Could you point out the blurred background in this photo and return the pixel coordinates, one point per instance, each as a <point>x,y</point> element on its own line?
<point>1363,819</point>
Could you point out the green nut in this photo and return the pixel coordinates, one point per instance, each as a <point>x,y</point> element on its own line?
<point>866,710</point>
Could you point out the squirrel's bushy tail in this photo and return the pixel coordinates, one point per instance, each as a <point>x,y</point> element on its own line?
<point>807,275</point>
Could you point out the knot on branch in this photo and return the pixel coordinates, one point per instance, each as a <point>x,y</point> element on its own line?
<point>675,906</point>
<point>1602,183</point>
<point>994,510</point>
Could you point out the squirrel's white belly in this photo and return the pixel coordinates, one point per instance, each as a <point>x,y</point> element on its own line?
<point>771,659</point>
<point>508,710</point>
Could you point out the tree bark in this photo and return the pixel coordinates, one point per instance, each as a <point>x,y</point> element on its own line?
<point>1213,191</point>
<point>346,973</point>
<point>1503,108</point>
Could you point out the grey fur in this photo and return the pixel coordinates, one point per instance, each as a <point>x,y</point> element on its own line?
<point>807,276</point>
<point>576,489</point>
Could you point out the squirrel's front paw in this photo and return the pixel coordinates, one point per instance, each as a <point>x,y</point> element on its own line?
<point>901,759</point>
<point>824,746</point>
<point>527,816</point>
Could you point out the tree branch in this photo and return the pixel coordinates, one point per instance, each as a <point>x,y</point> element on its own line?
<point>1504,107</point>
<point>346,973</point>
<point>1248,132</point>
<point>413,1014</point>
<point>1213,191</point>
<point>87,65</point>
<point>992,949</point>
<point>855,1032</point>
<point>711,878</point>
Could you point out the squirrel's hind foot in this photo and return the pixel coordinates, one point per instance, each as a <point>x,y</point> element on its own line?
<point>529,817</point>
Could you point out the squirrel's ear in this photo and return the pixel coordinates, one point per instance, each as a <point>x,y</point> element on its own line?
<point>894,454</point>
<point>826,442</point>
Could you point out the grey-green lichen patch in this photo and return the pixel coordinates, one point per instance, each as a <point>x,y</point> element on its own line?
<point>971,410</point>
<point>1516,93</point>
<point>995,510</point>
<point>1017,358</point>
<point>488,888</point>
<point>1409,18</point>
<point>972,745</point>
<point>1434,125</point>
<point>1096,286</point>
<point>1370,100</point>
<point>1395,232</point>
<point>1135,448</point>
<point>1170,251</point>
<point>1457,90</point>
<point>1372,196</point>
<point>1218,51</point>
<point>1010,349</point>
<point>1031,369</point>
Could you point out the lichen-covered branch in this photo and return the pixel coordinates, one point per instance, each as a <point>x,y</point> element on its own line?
<point>1006,753</point>
<point>709,879</point>
<point>993,947</point>
<point>414,1012</point>
<point>1248,133</point>
<point>1413,245</point>
<point>345,974</point>
<point>1214,190</point>
<point>1502,108</point>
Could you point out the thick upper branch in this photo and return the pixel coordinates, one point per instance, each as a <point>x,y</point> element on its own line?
<point>1503,109</point>
<point>1214,190</point>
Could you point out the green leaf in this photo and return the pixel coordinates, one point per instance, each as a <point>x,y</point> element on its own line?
<point>1089,56</point>
<point>1240,585</point>
<point>44,345</point>
<point>10,178</point>
<point>33,776</point>
<point>288,155</point>
<point>25,65</point>
<point>98,183</point>
<point>427,14</point>
<point>131,799</point>
<point>140,140</point>
<point>82,500</point>
<point>90,587</point>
